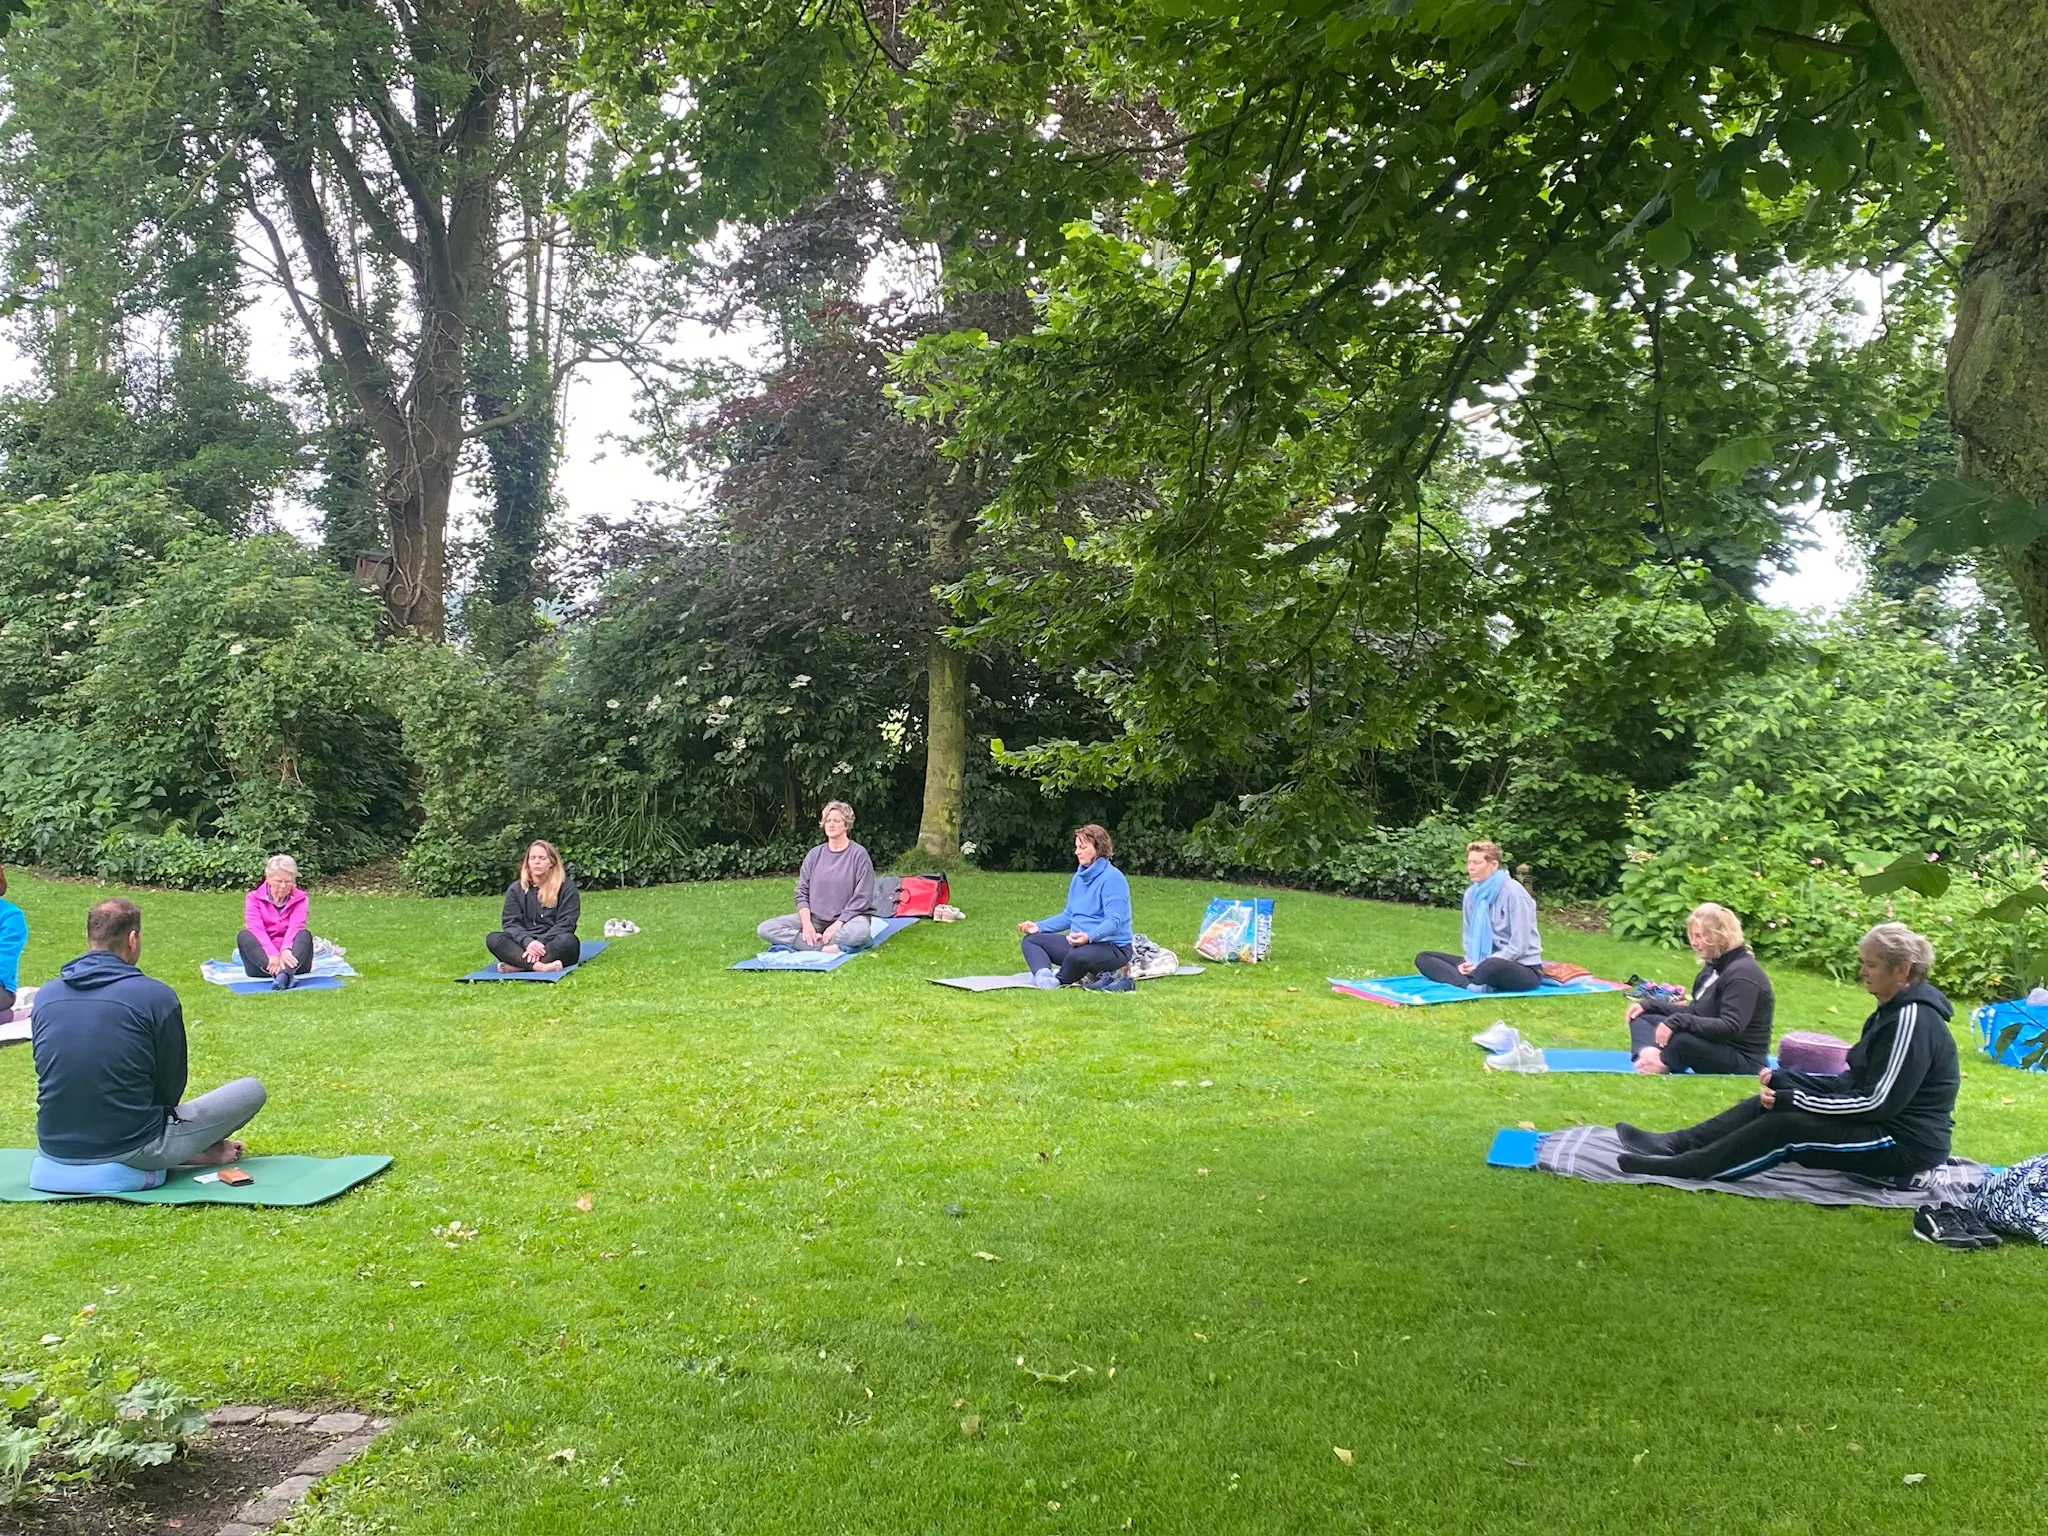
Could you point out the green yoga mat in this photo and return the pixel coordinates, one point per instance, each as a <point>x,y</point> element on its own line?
<point>279,1181</point>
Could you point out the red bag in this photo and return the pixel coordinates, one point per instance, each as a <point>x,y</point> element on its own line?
<point>922,895</point>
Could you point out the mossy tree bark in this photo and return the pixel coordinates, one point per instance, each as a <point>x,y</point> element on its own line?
<point>945,761</point>
<point>1983,67</point>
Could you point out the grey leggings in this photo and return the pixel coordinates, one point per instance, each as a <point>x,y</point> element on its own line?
<point>198,1123</point>
<point>788,931</point>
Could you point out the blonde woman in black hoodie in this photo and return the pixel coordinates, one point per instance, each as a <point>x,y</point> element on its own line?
<point>1725,1026</point>
<point>541,908</point>
<point>1888,1116</point>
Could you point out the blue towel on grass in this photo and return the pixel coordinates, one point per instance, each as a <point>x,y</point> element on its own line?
<point>812,960</point>
<point>1421,992</point>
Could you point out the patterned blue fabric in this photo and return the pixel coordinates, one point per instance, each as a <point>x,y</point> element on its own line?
<point>2015,1199</point>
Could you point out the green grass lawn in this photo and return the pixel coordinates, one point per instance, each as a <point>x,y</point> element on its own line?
<point>1235,1222</point>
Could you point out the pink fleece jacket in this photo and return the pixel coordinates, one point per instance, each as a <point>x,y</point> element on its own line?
<point>274,926</point>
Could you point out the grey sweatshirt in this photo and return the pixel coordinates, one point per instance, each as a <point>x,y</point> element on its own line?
<point>836,886</point>
<point>1513,915</point>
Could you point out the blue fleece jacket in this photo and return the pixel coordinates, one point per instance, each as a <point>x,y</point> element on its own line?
<point>109,1045</point>
<point>1098,904</point>
<point>13,937</point>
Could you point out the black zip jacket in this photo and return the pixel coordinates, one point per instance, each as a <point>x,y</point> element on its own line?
<point>1902,1073</point>
<point>1732,1003</point>
<point>526,919</point>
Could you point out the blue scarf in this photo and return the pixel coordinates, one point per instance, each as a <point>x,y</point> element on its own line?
<point>1479,915</point>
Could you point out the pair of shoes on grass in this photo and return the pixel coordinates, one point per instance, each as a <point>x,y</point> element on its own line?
<point>1109,981</point>
<point>1953,1226</point>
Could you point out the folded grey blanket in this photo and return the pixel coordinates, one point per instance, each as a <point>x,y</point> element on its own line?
<point>1591,1152</point>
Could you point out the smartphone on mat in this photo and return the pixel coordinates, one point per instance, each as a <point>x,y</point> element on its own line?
<point>236,1176</point>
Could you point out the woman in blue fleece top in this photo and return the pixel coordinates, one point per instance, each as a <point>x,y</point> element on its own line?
<point>13,939</point>
<point>1092,933</point>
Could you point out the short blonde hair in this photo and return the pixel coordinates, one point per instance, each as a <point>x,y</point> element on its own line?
<point>1896,944</point>
<point>1717,925</point>
<point>842,808</point>
<point>1491,850</point>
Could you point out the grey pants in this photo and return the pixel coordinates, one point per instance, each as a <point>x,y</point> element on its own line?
<point>197,1124</point>
<point>788,931</point>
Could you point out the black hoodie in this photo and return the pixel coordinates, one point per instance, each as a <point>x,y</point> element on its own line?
<point>109,1045</point>
<point>1903,1073</point>
<point>526,919</point>
<point>1732,1002</point>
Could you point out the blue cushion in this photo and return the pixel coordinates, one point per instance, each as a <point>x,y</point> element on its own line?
<point>55,1178</point>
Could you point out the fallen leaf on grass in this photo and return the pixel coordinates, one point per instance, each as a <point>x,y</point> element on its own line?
<point>1915,1477</point>
<point>1637,1459</point>
<point>1516,1462</point>
<point>1202,1172</point>
<point>986,1257</point>
<point>1342,1454</point>
<point>971,1425</point>
<point>566,1454</point>
<point>1525,1125</point>
<point>584,1202</point>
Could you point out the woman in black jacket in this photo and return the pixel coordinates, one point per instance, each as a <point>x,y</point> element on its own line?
<point>541,908</point>
<point>1726,1025</point>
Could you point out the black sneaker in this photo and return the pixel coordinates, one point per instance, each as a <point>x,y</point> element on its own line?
<point>1976,1227</point>
<point>1943,1224</point>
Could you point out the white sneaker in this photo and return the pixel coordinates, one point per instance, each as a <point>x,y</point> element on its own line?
<point>1500,1036</point>
<point>1521,1057</point>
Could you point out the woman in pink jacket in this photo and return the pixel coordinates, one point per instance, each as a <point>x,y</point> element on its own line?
<point>275,942</point>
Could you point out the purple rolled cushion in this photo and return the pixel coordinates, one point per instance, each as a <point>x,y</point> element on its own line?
<point>1806,1050</point>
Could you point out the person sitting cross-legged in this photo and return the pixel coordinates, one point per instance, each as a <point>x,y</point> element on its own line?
<point>110,1059</point>
<point>1502,950</point>
<point>835,893</point>
<point>1092,933</point>
<point>275,943</point>
<point>539,921</point>
<point>1890,1115</point>
<point>1726,1026</point>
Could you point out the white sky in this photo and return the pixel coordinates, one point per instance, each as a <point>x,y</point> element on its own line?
<point>601,479</point>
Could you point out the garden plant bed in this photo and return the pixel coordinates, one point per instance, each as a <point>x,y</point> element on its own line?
<point>247,1458</point>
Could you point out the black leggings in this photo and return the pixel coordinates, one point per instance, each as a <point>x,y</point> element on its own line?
<point>512,952</point>
<point>1747,1138</point>
<point>1493,973</point>
<point>1688,1052</point>
<point>257,963</point>
<point>1051,951</point>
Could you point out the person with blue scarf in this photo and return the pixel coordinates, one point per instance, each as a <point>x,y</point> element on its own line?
<point>1091,935</point>
<point>1502,951</point>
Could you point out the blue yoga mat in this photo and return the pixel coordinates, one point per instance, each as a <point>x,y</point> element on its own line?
<point>811,960</point>
<point>1513,1149</point>
<point>592,948</point>
<point>254,988</point>
<point>1421,992</point>
<point>1589,1061</point>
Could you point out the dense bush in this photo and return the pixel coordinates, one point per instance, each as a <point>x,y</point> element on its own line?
<point>1886,739</point>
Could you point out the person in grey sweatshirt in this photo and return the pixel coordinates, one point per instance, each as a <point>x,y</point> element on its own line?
<point>835,893</point>
<point>1502,950</point>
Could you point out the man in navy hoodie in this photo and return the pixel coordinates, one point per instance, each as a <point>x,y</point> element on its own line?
<point>109,1048</point>
<point>1887,1117</point>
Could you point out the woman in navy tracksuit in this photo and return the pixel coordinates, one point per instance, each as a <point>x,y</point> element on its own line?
<point>1888,1116</point>
<point>1091,934</point>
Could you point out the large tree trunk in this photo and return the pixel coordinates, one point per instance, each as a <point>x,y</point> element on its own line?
<point>1983,67</point>
<point>945,755</point>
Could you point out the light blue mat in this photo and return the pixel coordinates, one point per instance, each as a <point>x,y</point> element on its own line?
<point>249,986</point>
<point>1421,992</point>
<point>232,973</point>
<point>1589,1061</point>
<point>811,960</point>
<point>592,948</point>
<point>1513,1149</point>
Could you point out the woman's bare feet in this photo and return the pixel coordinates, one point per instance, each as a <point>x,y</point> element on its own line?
<point>218,1155</point>
<point>829,949</point>
<point>505,969</point>
<point>548,965</point>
